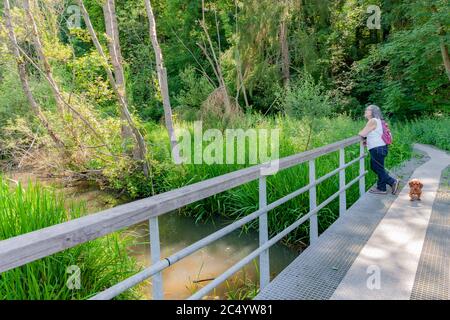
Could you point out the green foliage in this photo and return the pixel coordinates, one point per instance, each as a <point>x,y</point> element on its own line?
<point>89,77</point>
<point>11,103</point>
<point>243,287</point>
<point>399,67</point>
<point>195,91</point>
<point>102,262</point>
<point>433,131</point>
<point>405,74</point>
<point>307,99</point>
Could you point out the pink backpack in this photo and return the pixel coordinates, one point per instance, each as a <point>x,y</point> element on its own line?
<point>387,136</point>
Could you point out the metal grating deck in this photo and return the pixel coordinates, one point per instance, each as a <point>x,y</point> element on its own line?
<point>317,272</point>
<point>432,280</point>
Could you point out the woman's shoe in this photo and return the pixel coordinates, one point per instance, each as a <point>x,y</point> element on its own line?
<point>376,191</point>
<point>395,186</point>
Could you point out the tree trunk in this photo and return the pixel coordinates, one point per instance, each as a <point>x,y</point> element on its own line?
<point>60,103</point>
<point>42,58</point>
<point>445,57</point>
<point>215,64</point>
<point>285,59</point>
<point>112,31</point>
<point>24,78</point>
<point>162,79</point>
<point>309,134</point>
<point>444,49</point>
<point>139,139</point>
<point>239,77</point>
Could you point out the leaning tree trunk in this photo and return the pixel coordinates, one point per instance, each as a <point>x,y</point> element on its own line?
<point>285,59</point>
<point>24,78</point>
<point>444,49</point>
<point>240,79</point>
<point>47,71</point>
<point>162,79</point>
<point>445,57</point>
<point>215,65</point>
<point>239,76</point>
<point>112,31</point>
<point>42,58</point>
<point>139,139</point>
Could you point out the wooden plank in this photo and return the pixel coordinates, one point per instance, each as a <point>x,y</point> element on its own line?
<point>29,247</point>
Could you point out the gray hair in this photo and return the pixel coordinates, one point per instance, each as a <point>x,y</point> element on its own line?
<point>376,111</point>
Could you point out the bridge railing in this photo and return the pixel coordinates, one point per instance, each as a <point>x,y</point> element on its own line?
<point>20,250</point>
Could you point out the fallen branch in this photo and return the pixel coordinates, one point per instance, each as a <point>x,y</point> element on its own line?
<point>203,280</point>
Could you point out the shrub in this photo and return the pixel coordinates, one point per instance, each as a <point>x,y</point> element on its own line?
<point>195,91</point>
<point>308,100</point>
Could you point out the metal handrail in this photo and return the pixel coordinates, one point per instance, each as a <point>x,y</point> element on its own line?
<point>25,248</point>
<point>205,290</point>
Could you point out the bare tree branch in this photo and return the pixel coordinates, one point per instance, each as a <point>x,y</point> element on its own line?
<point>139,139</point>
<point>24,78</point>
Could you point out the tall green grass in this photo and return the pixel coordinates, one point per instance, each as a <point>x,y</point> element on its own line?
<point>243,200</point>
<point>102,262</point>
<point>434,131</point>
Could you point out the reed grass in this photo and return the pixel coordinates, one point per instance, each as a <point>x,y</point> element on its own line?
<point>102,262</point>
<point>243,200</point>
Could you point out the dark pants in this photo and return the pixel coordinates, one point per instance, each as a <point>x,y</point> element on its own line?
<point>377,156</point>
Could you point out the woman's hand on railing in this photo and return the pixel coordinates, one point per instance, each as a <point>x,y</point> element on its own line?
<point>363,139</point>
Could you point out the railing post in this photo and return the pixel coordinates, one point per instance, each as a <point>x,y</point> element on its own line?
<point>362,181</point>
<point>343,194</point>
<point>155,251</point>
<point>313,226</point>
<point>264,262</point>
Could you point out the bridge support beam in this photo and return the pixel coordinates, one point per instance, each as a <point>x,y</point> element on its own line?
<point>264,261</point>
<point>155,251</point>
<point>343,194</point>
<point>362,181</point>
<point>313,224</point>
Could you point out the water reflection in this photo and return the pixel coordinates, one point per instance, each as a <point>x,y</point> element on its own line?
<point>177,232</point>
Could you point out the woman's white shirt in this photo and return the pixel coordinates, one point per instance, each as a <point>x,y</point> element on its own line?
<point>374,137</point>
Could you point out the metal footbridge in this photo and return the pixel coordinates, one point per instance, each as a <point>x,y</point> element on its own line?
<point>382,247</point>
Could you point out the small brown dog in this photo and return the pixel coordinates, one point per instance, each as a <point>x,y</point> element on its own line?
<point>416,189</point>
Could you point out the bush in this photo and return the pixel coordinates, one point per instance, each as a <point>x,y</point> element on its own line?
<point>195,91</point>
<point>307,99</point>
<point>431,130</point>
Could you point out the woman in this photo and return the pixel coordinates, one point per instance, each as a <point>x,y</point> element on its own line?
<point>378,150</point>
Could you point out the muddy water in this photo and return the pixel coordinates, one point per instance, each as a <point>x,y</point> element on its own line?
<point>177,232</point>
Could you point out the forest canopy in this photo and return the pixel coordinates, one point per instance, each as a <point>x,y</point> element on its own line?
<point>95,79</point>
